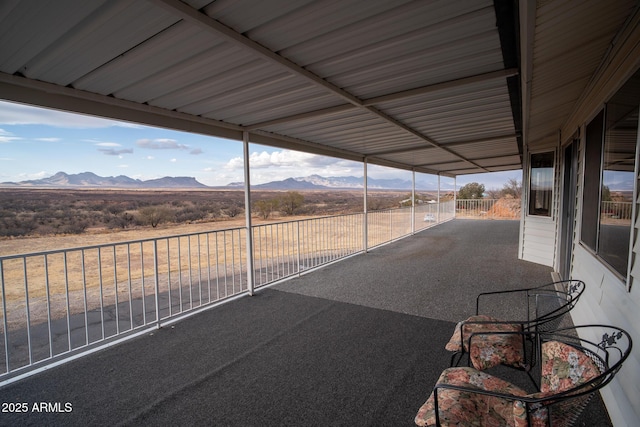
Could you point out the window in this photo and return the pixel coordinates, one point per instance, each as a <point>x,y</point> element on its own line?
<point>541,185</point>
<point>609,177</point>
<point>591,194</point>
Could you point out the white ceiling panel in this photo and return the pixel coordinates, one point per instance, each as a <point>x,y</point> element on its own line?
<point>428,85</point>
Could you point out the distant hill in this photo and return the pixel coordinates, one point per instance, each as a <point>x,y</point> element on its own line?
<point>91,180</point>
<point>312,182</point>
<point>317,182</point>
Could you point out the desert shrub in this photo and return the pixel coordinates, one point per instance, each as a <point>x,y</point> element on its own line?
<point>123,220</point>
<point>233,211</point>
<point>290,201</point>
<point>15,226</point>
<point>155,215</point>
<point>265,207</point>
<point>190,214</point>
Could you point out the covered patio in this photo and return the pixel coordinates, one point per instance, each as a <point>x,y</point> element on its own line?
<point>433,87</point>
<point>355,343</point>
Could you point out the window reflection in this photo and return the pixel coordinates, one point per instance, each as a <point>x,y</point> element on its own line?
<point>617,182</point>
<point>541,184</point>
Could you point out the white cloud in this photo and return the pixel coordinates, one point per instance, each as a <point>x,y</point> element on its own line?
<point>174,160</point>
<point>279,165</point>
<point>6,137</point>
<point>52,139</point>
<point>36,175</point>
<point>114,152</point>
<point>108,144</point>
<point>288,158</point>
<point>161,144</point>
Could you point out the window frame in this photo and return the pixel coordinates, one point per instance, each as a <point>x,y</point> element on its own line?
<point>593,180</point>
<point>531,198</point>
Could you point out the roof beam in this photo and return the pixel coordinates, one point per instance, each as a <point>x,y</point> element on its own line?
<point>49,95</point>
<point>450,84</point>
<point>500,74</point>
<point>449,144</point>
<point>186,12</point>
<point>302,116</point>
<point>209,24</point>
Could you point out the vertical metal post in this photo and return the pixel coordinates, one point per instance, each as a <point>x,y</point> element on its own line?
<point>455,194</point>
<point>5,324</point>
<point>413,202</point>
<point>298,248</point>
<point>438,204</point>
<point>365,230</point>
<point>247,212</point>
<point>156,278</point>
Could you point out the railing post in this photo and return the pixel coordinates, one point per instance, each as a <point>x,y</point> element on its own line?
<point>247,211</point>
<point>157,279</point>
<point>438,200</point>
<point>365,230</point>
<point>298,247</point>
<point>5,323</point>
<point>413,202</point>
<point>455,193</point>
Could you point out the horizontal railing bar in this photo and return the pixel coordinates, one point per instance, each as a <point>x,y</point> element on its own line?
<point>124,242</point>
<point>97,294</point>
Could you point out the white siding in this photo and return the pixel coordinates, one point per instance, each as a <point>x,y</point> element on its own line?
<point>539,236</point>
<point>539,233</point>
<point>607,298</point>
<point>607,301</point>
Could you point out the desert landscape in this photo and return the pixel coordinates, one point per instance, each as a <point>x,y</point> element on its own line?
<point>33,220</point>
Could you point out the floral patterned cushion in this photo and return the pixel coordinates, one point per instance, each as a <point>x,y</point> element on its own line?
<point>462,408</point>
<point>563,368</point>
<point>491,349</point>
<point>537,417</point>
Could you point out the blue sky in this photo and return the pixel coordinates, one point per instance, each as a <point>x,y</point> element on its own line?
<point>36,143</point>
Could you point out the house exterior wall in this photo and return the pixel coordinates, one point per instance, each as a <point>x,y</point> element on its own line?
<point>608,298</point>
<point>539,233</point>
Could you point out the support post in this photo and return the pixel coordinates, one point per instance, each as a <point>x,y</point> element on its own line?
<point>413,202</point>
<point>455,194</point>
<point>365,230</point>
<point>438,202</point>
<point>247,212</point>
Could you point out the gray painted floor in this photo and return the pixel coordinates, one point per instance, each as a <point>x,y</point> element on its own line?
<point>359,342</point>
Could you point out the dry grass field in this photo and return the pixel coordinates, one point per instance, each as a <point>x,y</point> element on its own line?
<point>98,275</point>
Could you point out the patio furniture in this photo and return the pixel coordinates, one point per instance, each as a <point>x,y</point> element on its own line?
<point>545,308</point>
<point>572,370</point>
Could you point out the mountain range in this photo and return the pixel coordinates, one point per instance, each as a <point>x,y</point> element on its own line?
<point>91,180</point>
<point>317,182</point>
<point>312,182</point>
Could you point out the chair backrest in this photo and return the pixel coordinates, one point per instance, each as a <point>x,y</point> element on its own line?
<point>550,303</point>
<point>576,362</point>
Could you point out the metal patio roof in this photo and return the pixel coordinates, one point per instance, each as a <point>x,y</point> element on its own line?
<point>432,86</point>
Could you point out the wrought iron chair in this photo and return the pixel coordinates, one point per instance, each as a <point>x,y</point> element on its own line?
<point>573,369</point>
<point>545,308</point>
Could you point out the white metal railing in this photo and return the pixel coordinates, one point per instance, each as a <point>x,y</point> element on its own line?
<point>488,208</point>
<point>63,302</point>
<point>615,210</point>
